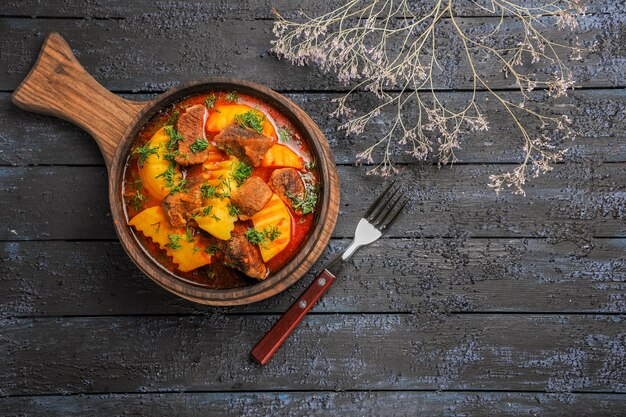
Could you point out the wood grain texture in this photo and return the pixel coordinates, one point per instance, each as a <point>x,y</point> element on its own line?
<point>414,304</point>
<point>153,53</point>
<point>233,9</point>
<point>427,276</point>
<point>296,404</point>
<point>585,199</point>
<point>59,86</point>
<point>286,324</point>
<point>597,115</point>
<point>559,354</point>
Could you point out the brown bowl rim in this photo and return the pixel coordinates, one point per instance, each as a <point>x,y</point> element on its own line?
<point>300,263</point>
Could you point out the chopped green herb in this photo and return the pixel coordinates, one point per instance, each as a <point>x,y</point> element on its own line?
<point>285,134</point>
<point>174,245</point>
<point>260,238</point>
<point>212,249</point>
<point>175,137</point>
<point>136,183</point>
<point>214,217</point>
<point>171,156</point>
<point>208,191</point>
<point>180,187</point>
<point>251,119</point>
<point>312,164</point>
<point>199,145</point>
<point>271,232</point>
<point>225,183</point>
<point>173,117</point>
<point>210,101</point>
<point>170,180</point>
<point>232,96</point>
<point>206,211</point>
<point>137,200</point>
<point>145,151</point>
<point>233,210</point>
<point>255,237</point>
<point>241,172</point>
<point>189,234</point>
<point>168,175</point>
<point>196,249</point>
<point>307,204</point>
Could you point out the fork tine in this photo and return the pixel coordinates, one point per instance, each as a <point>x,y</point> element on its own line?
<point>393,215</point>
<point>387,208</point>
<point>375,203</point>
<point>388,197</point>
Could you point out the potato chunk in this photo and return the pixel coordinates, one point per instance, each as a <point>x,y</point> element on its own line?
<point>274,218</point>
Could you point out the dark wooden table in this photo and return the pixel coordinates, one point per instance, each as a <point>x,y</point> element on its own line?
<point>475,304</point>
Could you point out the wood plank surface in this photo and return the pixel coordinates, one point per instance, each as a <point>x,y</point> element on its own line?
<point>597,115</point>
<point>573,201</point>
<point>145,53</point>
<point>476,304</point>
<point>557,353</point>
<point>232,9</point>
<point>426,276</point>
<point>296,404</point>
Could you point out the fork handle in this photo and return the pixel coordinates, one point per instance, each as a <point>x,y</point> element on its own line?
<point>270,343</point>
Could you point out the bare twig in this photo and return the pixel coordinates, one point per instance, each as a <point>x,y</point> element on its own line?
<point>365,44</point>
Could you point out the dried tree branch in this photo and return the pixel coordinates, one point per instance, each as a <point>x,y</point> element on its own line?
<point>383,45</point>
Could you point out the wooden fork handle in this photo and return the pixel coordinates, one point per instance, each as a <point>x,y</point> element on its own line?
<point>270,343</point>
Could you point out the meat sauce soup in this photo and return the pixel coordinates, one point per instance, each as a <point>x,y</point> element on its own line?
<point>220,189</point>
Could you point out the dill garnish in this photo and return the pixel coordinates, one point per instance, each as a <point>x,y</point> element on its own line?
<point>206,211</point>
<point>285,134</point>
<point>175,137</point>
<point>138,200</point>
<point>144,152</point>
<point>173,117</point>
<point>251,119</point>
<point>307,204</point>
<point>200,144</point>
<point>174,245</point>
<point>232,96</point>
<point>210,101</point>
<point>188,234</point>
<point>241,172</point>
<point>233,210</point>
<point>260,238</point>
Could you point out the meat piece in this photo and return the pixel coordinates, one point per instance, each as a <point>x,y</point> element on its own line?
<point>179,207</point>
<point>191,127</point>
<point>242,255</point>
<point>286,182</point>
<point>251,197</point>
<point>247,145</point>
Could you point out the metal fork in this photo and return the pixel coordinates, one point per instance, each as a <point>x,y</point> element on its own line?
<point>381,214</point>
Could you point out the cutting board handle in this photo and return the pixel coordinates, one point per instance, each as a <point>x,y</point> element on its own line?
<point>58,85</point>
